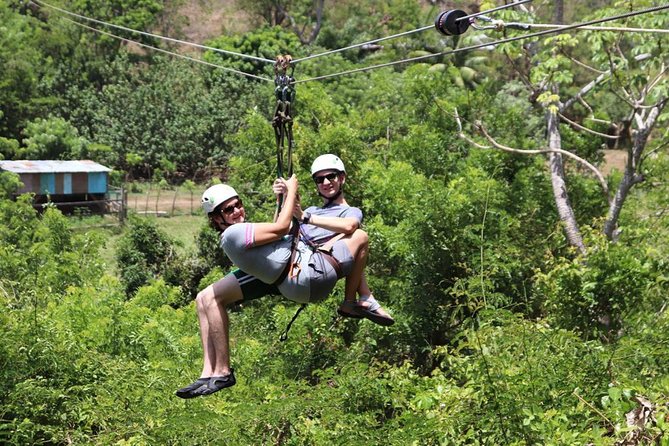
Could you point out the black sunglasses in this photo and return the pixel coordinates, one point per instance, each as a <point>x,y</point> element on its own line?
<point>230,209</point>
<point>330,177</point>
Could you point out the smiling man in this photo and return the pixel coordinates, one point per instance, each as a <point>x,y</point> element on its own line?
<point>334,220</point>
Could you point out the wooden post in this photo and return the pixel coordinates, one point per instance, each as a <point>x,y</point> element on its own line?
<point>174,200</point>
<point>148,192</point>
<point>124,205</point>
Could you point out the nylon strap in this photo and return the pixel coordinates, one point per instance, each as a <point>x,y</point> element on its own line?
<point>284,92</point>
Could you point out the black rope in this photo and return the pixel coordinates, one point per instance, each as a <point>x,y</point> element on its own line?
<point>284,92</point>
<point>284,335</point>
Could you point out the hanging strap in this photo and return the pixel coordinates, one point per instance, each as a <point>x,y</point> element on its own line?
<point>284,92</point>
<point>284,335</point>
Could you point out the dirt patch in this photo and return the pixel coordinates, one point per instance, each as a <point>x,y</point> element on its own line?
<point>206,19</point>
<point>165,203</point>
<point>613,159</point>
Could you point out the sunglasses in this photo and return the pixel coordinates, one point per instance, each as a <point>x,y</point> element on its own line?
<point>230,209</point>
<point>330,177</point>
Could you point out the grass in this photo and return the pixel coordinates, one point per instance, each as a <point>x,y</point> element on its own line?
<point>183,229</point>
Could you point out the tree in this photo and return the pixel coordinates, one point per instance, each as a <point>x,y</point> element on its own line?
<point>51,139</point>
<point>633,69</point>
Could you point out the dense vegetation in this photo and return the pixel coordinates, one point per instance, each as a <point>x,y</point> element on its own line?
<point>517,323</point>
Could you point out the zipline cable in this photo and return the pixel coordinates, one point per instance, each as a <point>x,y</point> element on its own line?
<point>406,33</point>
<point>494,43</point>
<point>588,28</point>
<point>357,45</point>
<point>182,56</point>
<point>157,36</point>
<point>471,16</point>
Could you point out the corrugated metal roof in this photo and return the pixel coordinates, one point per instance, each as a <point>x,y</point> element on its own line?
<point>43,166</point>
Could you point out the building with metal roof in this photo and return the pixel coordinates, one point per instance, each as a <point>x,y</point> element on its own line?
<point>69,185</point>
<point>47,177</point>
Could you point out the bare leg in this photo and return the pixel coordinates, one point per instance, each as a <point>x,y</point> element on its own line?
<point>363,288</point>
<point>357,244</point>
<point>367,306</point>
<point>212,303</point>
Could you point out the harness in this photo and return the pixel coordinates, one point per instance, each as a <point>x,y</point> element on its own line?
<point>283,132</point>
<point>284,92</point>
<point>282,122</point>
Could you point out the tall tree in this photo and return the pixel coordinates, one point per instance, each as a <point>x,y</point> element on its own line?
<point>569,84</point>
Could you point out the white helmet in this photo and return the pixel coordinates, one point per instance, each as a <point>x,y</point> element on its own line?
<point>216,195</point>
<point>327,162</point>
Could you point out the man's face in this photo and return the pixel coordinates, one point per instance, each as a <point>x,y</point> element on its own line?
<point>329,182</point>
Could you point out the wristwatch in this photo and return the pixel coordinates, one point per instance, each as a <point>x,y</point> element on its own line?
<point>306,217</point>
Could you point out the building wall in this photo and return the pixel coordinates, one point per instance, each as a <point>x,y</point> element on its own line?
<point>64,183</point>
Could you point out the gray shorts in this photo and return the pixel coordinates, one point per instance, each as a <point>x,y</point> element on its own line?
<point>316,277</point>
<point>323,275</point>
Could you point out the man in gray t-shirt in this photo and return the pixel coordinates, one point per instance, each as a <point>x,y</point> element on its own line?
<point>337,219</point>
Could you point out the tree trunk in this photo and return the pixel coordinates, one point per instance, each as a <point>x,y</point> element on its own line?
<point>633,165</point>
<point>564,208</point>
<point>558,16</point>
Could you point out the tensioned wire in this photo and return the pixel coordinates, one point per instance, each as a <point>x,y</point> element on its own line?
<point>574,26</point>
<point>473,47</point>
<point>192,59</point>
<point>157,36</point>
<point>406,33</point>
<point>593,28</point>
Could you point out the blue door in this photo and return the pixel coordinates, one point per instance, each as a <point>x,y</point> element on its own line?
<point>47,183</point>
<point>97,182</point>
<point>67,183</point>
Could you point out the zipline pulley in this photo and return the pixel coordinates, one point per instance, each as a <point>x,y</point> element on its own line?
<point>450,23</point>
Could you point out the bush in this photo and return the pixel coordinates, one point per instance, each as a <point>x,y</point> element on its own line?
<point>143,252</point>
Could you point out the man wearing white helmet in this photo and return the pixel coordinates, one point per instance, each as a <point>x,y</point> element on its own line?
<point>336,219</point>
<point>268,265</point>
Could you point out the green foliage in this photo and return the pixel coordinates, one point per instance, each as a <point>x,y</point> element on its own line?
<point>51,139</point>
<point>265,42</point>
<point>142,252</point>
<point>196,112</point>
<point>596,295</point>
<point>503,335</point>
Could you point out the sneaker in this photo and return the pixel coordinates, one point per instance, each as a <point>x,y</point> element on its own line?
<point>187,392</point>
<point>216,383</point>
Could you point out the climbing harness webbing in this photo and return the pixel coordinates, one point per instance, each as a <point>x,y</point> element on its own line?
<point>326,251</point>
<point>295,233</point>
<point>282,121</point>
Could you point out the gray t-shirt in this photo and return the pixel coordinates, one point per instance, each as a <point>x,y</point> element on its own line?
<point>266,262</point>
<point>319,236</point>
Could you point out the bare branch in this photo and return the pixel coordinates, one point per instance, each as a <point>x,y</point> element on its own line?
<point>586,105</point>
<point>581,64</point>
<point>597,411</point>
<point>593,169</point>
<point>462,134</point>
<point>586,89</point>
<point>658,78</point>
<point>499,146</point>
<point>585,129</point>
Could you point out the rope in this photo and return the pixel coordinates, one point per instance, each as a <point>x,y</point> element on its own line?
<point>598,28</point>
<point>284,335</point>
<point>182,56</point>
<point>406,33</point>
<point>169,39</point>
<point>471,16</point>
<point>497,42</point>
<point>325,53</point>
